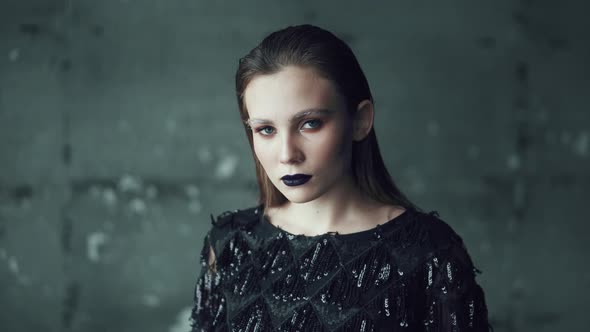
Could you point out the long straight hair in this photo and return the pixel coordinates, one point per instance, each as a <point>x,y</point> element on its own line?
<point>331,58</point>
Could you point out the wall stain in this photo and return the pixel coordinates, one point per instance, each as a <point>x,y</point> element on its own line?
<point>522,73</point>
<point>310,16</point>
<point>538,32</point>
<point>70,304</point>
<point>66,234</point>
<point>97,30</point>
<point>31,29</point>
<point>22,192</point>
<point>65,65</point>
<point>66,154</point>
<point>486,42</point>
<point>520,18</point>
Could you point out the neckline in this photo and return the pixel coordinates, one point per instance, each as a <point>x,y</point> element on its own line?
<point>372,232</point>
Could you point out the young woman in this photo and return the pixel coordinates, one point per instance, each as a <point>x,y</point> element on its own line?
<point>333,245</point>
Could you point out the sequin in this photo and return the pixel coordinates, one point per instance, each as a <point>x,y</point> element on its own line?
<point>360,280</point>
<point>454,319</point>
<point>449,275</point>
<point>383,274</point>
<point>386,305</point>
<point>271,280</point>
<point>471,312</point>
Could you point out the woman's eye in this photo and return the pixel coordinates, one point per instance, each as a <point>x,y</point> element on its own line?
<point>314,123</point>
<point>311,124</point>
<point>264,131</point>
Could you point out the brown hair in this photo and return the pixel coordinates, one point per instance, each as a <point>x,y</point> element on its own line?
<point>331,58</point>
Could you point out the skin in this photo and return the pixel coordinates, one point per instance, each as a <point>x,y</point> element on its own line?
<point>318,144</point>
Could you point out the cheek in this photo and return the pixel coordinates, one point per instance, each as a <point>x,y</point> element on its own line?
<point>334,147</point>
<point>262,151</point>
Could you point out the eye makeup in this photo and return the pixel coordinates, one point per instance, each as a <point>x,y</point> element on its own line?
<point>318,124</point>
<point>298,116</point>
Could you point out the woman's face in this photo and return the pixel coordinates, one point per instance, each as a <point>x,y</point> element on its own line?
<point>299,126</point>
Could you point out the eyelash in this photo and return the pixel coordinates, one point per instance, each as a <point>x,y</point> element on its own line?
<point>260,129</point>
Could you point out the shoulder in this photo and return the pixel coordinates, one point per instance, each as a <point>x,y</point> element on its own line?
<point>434,232</point>
<point>431,236</point>
<point>237,218</point>
<point>224,225</point>
<point>440,243</point>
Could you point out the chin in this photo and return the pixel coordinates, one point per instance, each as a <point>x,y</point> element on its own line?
<point>301,197</point>
<point>297,200</point>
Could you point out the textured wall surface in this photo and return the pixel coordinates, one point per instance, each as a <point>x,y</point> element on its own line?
<point>119,135</point>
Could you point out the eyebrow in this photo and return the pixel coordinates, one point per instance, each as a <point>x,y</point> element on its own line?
<point>299,115</point>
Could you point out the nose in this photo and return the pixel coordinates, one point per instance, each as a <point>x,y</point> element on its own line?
<point>290,152</point>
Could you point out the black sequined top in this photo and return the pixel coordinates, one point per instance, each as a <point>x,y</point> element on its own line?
<point>411,273</point>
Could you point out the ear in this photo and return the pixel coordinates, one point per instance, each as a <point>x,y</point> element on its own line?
<point>363,120</point>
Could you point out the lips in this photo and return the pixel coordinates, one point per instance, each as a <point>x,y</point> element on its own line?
<point>295,177</point>
<point>295,180</point>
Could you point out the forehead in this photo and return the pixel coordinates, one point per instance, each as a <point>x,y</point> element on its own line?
<point>289,91</point>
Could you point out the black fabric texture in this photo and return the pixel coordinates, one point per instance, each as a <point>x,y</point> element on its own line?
<point>411,273</point>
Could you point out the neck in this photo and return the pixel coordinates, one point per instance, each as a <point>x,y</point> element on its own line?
<point>340,208</point>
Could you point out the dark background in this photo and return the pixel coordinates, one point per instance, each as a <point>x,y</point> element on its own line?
<point>119,135</point>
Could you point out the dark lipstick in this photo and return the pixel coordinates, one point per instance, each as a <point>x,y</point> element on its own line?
<point>295,180</point>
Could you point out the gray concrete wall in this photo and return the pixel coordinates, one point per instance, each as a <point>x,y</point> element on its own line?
<point>119,135</point>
